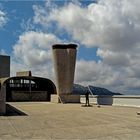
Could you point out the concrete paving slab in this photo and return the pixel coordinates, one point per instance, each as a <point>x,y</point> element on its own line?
<point>49,121</point>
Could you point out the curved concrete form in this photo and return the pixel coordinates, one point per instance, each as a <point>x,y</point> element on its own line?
<point>28,88</point>
<point>64,64</point>
<point>25,88</point>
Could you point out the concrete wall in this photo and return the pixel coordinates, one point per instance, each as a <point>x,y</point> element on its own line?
<point>27,96</point>
<point>4,66</point>
<point>65,99</point>
<point>3,100</point>
<point>54,98</point>
<point>126,100</point>
<point>70,98</point>
<point>24,73</point>
<point>115,100</point>
<point>64,64</point>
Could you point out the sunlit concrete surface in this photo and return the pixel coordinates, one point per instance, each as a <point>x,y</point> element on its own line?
<point>70,121</point>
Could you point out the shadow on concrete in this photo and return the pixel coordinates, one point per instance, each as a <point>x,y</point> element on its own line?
<point>86,105</point>
<point>12,111</point>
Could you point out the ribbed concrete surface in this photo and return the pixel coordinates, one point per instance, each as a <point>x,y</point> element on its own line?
<point>71,121</point>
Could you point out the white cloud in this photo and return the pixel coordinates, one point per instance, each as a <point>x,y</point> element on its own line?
<point>27,25</point>
<point>119,59</point>
<point>3,19</point>
<point>105,24</point>
<point>103,75</point>
<point>33,51</point>
<point>113,26</point>
<point>94,73</point>
<point>109,24</point>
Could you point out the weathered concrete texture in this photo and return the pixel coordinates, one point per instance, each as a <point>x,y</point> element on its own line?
<point>24,73</point>
<point>70,98</point>
<point>4,66</point>
<point>2,101</point>
<point>64,64</point>
<point>54,98</point>
<point>65,98</point>
<point>46,121</point>
<point>29,96</point>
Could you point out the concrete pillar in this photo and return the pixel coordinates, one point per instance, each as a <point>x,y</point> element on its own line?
<point>4,66</point>
<point>64,64</point>
<point>2,100</point>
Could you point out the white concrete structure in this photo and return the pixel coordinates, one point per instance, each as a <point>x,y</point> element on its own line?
<point>64,64</point>
<point>117,100</point>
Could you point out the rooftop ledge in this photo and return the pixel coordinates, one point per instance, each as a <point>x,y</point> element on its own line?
<point>121,100</point>
<point>117,96</point>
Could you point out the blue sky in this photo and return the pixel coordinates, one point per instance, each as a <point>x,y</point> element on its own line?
<point>18,13</point>
<point>107,32</point>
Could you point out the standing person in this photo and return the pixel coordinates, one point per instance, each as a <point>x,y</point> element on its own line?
<point>87,98</point>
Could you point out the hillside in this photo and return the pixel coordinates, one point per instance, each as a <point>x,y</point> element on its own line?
<point>79,89</point>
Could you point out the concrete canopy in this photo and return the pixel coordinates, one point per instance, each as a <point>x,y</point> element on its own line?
<point>28,84</point>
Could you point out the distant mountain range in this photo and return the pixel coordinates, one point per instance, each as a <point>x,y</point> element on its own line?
<point>79,89</point>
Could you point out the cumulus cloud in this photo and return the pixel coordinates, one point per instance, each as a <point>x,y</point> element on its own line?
<point>3,19</point>
<point>99,74</point>
<point>33,51</point>
<point>112,26</point>
<point>116,59</point>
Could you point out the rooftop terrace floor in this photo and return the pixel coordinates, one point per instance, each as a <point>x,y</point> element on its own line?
<point>49,121</point>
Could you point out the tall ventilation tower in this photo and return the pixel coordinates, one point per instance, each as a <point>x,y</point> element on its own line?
<point>64,65</point>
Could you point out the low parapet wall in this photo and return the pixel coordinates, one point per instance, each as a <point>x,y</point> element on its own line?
<point>127,100</point>
<point>65,99</point>
<point>118,100</point>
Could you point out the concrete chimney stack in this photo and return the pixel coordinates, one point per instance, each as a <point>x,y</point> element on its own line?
<point>64,64</point>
